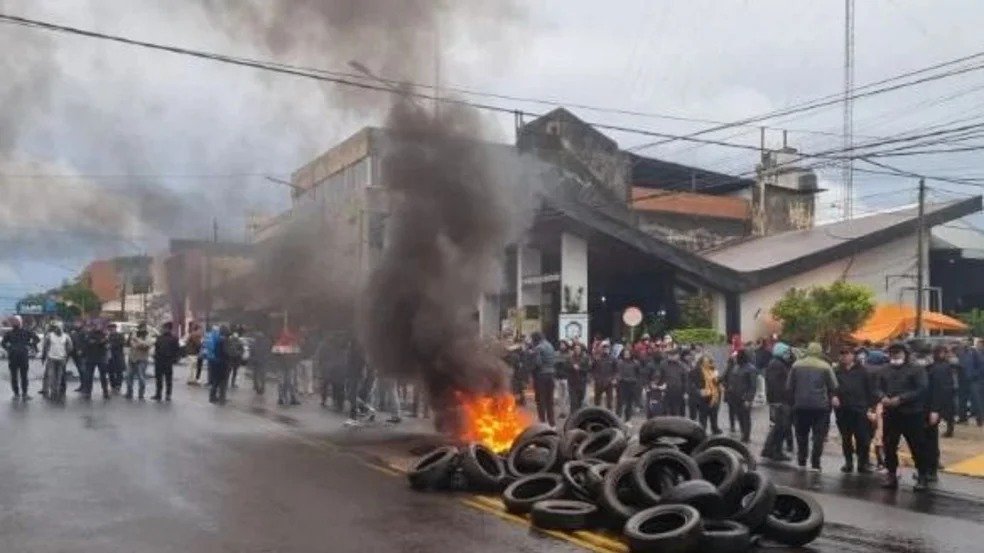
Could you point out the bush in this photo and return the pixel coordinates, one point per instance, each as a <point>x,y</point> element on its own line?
<point>823,313</point>
<point>697,336</point>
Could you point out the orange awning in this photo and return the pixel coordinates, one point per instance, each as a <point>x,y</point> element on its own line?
<point>890,321</point>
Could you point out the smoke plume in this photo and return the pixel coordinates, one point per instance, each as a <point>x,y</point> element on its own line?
<point>448,226</point>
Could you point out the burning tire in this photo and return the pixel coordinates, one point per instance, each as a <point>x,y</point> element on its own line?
<point>756,498</point>
<point>618,495</point>
<point>659,470</point>
<point>795,519</point>
<point>536,455</point>
<point>730,443</point>
<point>725,536</point>
<point>559,514</point>
<point>434,470</point>
<point>570,441</point>
<point>522,494</point>
<point>593,419</point>
<point>699,494</point>
<point>483,469</point>
<point>679,431</point>
<point>722,467</point>
<point>664,529</point>
<point>606,445</point>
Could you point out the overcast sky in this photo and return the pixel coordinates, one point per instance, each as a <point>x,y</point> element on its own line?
<point>94,119</point>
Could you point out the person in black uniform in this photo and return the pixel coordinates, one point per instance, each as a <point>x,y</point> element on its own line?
<point>167,352</point>
<point>939,406</point>
<point>18,342</point>
<point>856,392</point>
<point>117,357</point>
<point>96,355</point>
<point>901,391</point>
<point>672,378</point>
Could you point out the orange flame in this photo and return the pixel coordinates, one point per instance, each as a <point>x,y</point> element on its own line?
<point>493,421</point>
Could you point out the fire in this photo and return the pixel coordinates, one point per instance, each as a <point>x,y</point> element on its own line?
<point>493,421</point>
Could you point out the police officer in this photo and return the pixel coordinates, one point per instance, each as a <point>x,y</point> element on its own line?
<point>672,376</point>
<point>18,342</point>
<point>117,357</point>
<point>939,405</point>
<point>901,391</point>
<point>856,392</point>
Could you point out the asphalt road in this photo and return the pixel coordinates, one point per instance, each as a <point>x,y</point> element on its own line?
<point>189,476</point>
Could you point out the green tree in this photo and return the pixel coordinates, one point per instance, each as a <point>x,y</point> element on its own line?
<point>824,313</point>
<point>696,312</point>
<point>81,297</point>
<point>975,320</point>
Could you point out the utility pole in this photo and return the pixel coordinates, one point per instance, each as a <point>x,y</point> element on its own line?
<point>208,273</point>
<point>920,238</point>
<point>848,168</point>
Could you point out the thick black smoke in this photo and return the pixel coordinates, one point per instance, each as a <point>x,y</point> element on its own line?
<point>448,226</point>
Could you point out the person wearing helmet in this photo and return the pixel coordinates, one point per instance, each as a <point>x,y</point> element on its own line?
<point>780,406</point>
<point>901,389</point>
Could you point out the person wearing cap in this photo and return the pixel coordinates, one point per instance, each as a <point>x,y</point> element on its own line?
<point>671,377</point>
<point>940,398</point>
<point>813,388</point>
<point>901,389</point>
<point>856,395</point>
<point>780,405</point>
<point>18,342</point>
<point>603,374</point>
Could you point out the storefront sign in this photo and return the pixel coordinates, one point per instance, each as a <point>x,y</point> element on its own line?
<point>540,279</point>
<point>573,327</point>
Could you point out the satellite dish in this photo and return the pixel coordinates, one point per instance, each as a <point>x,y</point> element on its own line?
<point>632,316</point>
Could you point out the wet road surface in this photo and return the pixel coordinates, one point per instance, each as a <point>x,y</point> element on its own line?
<point>189,476</point>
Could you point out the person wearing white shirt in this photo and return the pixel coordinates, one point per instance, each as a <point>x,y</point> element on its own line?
<point>55,352</point>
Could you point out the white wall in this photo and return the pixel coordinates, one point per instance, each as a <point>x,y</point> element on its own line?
<point>868,268</point>
<point>574,268</point>
<point>531,266</point>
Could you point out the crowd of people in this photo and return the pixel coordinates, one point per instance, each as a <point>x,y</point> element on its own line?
<point>875,395</point>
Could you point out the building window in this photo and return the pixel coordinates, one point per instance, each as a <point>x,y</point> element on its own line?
<point>377,230</point>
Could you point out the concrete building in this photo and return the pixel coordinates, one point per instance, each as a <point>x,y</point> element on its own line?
<point>612,230</point>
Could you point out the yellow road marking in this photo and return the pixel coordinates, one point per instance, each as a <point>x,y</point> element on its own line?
<point>968,467</point>
<point>482,506</point>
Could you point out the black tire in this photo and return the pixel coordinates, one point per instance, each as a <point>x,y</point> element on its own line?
<point>569,442</point>
<point>606,445</point>
<point>532,431</point>
<point>549,463</point>
<point>560,514</point>
<point>618,496</point>
<point>593,419</point>
<point>522,494</point>
<point>679,431</point>
<point>483,469</point>
<point>633,451</point>
<point>730,443</point>
<point>722,467</point>
<point>699,494</point>
<point>433,470</point>
<point>755,501</point>
<point>796,518</point>
<point>595,477</point>
<point>664,529</point>
<point>660,469</point>
<point>575,475</point>
<point>725,536</point>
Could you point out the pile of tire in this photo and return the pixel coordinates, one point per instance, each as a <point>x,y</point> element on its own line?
<point>669,489</point>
